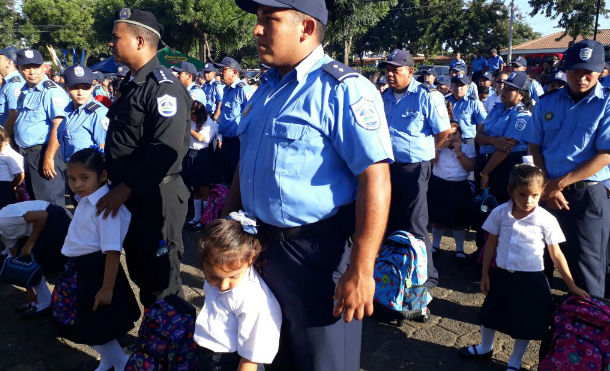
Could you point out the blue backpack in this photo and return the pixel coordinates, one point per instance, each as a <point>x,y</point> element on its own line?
<point>401,269</point>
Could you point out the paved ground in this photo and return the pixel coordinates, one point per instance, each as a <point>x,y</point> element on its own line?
<point>33,345</point>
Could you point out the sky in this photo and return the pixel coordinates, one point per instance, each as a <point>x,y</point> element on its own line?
<point>542,24</point>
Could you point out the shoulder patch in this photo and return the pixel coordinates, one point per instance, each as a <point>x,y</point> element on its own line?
<point>366,114</point>
<point>549,93</point>
<point>167,105</point>
<point>162,75</point>
<point>92,106</point>
<point>49,84</point>
<point>16,79</point>
<point>339,71</point>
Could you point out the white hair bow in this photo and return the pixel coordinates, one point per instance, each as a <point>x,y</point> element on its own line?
<point>248,223</point>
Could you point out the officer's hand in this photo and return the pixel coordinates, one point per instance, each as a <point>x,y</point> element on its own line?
<point>48,168</point>
<point>552,186</point>
<point>505,144</point>
<point>557,201</point>
<point>113,200</point>
<point>354,295</point>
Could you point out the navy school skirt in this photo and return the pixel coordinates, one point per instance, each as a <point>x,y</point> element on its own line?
<point>47,249</point>
<point>518,304</point>
<point>198,168</point>
<point>449,203</point>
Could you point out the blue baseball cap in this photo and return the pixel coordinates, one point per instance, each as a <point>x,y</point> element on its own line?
<point>313,8</point>
<point>99,76</point>
<point>228,62</point>
<point>121,71</point>
<point>209,67</point>
<point>443,80</point>
<point>186,67</point>
<point>78,74</point>
<point>585,55</point>
<point>430,71</point>
<point>519,61</point>
<point>399,57</point>
<point>558,76</point>
<point>487,75</point>
<point>29,56</point>
<point>10,52</point>
<point>517,80</point>
<point>460,68</point>
<point>460,78</point>
<point>381,80</point>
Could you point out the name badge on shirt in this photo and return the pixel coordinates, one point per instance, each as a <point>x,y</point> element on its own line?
<point>366,114</point>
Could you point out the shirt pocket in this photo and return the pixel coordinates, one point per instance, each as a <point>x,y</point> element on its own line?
<point>293,145</point>
<point>413,122</point>
<point>584,133</point>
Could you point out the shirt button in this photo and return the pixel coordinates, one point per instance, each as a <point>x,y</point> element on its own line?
<point>250,180</point>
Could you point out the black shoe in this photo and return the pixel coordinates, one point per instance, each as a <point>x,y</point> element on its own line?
<point>33,312</point>
<point>24,307</point>
<point>465,353</point>
<point>424,318</point>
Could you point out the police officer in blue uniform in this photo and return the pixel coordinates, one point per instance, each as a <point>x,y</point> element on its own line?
<point>468,111</point>
<point>186,74</point>
<point>314,141</point>
<point>557,81</point>
<point>147,139</point>
<point>473,90</point>
<point>479,65</point>
<point>41,108</point>
<point>85,123</point>
<point>10,89</point>
<point>234,100</point>
<point>98,80</point>
<point>485,79</point>
<point>418,121</point>
<point>443,85</point>
<point>494,62</point>
<point>213,90</point>
<point>535,89</point>
<point>569,137</point>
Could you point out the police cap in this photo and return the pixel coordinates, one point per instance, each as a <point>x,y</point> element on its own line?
<point>228,62</point>
<point>558,76</point>
<point>430,71</point>
<point>186,67</point>
<point>209,67</point>
<point>313,8</point>
<point>78,75</point>
<point>460,78</point>
<point>140,18</point>
<point>517,80</point>
<point>519,62</point>
<point>121,71</point>
<point>99,76</point>
<point>10,52</point>
<point>487,76</point>
<point>29,56</point>
<point>399,57</point>
<point>585,55</point>
<point>381,80</point>
<point>443,80</point>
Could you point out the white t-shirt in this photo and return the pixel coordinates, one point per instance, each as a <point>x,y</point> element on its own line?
<point>12,225</point>
<point>89,233</point>
<point>246,319</point>
<point>448,167</point>
<point>11,163</point>
<point>208,130</point>
<point>521,242</point>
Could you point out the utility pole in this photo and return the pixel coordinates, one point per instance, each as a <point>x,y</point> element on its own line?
<point>510,31</point>
<point>596,19</point>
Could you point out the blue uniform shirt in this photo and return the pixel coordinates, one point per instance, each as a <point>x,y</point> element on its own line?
<point>454,62</point>
<point>506,122</point>
<point>82,127</point>
<point>305,138</point>
<point>535,90</point>
<point>9,94</point>
<point>468,112</point>
<point>38,107</point>
<point>413,122</point>
<point>479,64</point>
<point>197,93</point>
<point>99,90</point>
<point>234,101</point>
<point>571,133</point>
<point>494,63</point>
<point>213,94</point>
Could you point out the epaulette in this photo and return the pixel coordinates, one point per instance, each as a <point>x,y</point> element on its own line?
<point>241,84</point>
<point>16,79</point>
<point>48,84</point>
<point>339,71</point>
<point>548,94</point>
<point>429,88</point>
<point>92,106</point>
<point>162,75</point>
<point>523,109</point>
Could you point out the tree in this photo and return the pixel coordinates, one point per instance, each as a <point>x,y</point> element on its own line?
<point>9,23</point>
<point>576,17</point>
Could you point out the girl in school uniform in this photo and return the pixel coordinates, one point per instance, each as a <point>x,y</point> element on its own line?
<point>198,164</point>
<point>93,304</point>
<point>239,324</point>
<point>11,170</point>
<point>518,298</point>
<point>449,193</point>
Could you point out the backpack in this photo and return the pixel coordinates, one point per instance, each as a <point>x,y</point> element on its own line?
<point>217,197</point>
<point>165,339</point>
<point>580,336</point>
<point>401,269</point>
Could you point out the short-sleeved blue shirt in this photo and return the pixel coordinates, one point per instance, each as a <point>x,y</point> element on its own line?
<point>571,133</point>
<point>197,93</point>
<point>305,137</point>
<point>468,112</point>
<point>494,63</point>
<point>506,122</point>
<point>213,94</point>
<point>479,64</point>
<point>82,127</point>
<point>234,100</point>
<point>9,94</point>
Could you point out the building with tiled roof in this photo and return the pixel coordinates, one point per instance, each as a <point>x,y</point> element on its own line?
<point>549,44</point>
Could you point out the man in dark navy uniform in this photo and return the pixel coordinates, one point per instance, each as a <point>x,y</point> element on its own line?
<point>147,138</point>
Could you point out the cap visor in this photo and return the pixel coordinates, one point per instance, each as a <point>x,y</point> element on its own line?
<point>251,6</point>
<point>513,85</point>
<point>384,64</point>
<point>586,66</point>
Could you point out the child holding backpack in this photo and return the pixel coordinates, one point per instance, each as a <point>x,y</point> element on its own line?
<point>93,303</point>
<point>239,324</point>
<point>518,298</point>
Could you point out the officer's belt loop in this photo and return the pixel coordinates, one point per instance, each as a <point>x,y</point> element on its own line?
<point>170,178</point>
<point>33,148</point>
<point>343,220</point>
<point>580,185</point>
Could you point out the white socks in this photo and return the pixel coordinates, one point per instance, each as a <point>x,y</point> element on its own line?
<point>460,236</point>
<point>518,351</point>
<point>487,340</point>
<point>111,355</point>
<point>437,235</point>
<point>43,294</point>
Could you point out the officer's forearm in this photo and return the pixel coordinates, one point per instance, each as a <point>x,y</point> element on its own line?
<point>9,124</point>
<point>53,143</point>
<point>586,169</point>
<point>441,137</point>
<point>372,209</point>
<point>217,113</point>
<point>234,200</point>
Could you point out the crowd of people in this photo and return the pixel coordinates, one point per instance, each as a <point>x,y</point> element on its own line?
<point>321,164</point>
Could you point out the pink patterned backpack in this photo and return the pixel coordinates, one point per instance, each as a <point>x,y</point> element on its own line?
<point>580,337</point>
<point>216,202</point>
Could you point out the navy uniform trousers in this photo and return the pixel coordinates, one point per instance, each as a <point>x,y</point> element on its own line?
<point>302,272</point>
<point>409,206</point>
<point>41,188</point>
<point>587,228</point>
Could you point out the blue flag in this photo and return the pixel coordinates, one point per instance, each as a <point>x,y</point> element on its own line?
<point>83,56</point>
<point>74,58</point>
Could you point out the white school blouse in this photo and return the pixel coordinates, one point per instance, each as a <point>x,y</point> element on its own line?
<point>90,233</point>
<point>209,130</point>
<point>448,167</point>
<point>13,226</point>
<point>11,164</point>
<point>246,319</point>
<point>521,242</point>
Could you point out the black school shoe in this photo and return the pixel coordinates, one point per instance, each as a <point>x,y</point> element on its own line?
<point>33,312</point>
<point>465,353</point>
<point>24,307</point>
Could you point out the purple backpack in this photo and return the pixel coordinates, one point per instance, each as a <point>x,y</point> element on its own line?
<point>217,197</point>
<point>165,339</point>
<point>580,336</point>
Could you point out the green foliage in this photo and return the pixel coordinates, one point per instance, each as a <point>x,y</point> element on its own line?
<point>576,17</point>
<point>9,23</point>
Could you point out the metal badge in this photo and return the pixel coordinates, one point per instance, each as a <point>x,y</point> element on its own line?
<point>548,116</point>
<point>125,13</point>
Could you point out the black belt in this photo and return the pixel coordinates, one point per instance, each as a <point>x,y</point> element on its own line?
<point>342,221</point>
<point>170,178</point>
<point>33,148</point>
<point>583,184</point>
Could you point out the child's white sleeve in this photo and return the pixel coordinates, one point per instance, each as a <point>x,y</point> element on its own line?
<point>492,223</point>
<point>553,234</point>
<point>13,166</point>
<point>113,230</point>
